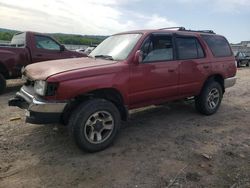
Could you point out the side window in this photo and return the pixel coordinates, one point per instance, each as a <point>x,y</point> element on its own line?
<point>189,48</point>
<point>157,48</point>
<point>46,43</point>
<point>200,50</point>
<point>218,45</point>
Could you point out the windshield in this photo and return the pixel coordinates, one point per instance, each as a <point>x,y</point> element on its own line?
<point>116,47</point>
<point>18,39</point>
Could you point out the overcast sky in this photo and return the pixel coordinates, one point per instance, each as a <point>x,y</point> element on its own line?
<point>230,18</point>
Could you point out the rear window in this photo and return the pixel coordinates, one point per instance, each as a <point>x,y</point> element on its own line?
<point>19,40</point>
<point>189,48</point>
<point>218,45</point>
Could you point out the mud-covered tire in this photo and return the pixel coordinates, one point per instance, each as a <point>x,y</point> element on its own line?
<point>204,102</point>
<point>81,124</point>
<point>2,83</point>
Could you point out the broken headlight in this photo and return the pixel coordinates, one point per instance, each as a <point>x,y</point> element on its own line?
<point>40,87</point>
<point>44,88</point>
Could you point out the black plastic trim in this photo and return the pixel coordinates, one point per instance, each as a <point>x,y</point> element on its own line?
<point>43,118</point>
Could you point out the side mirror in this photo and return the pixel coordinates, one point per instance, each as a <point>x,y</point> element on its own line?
<point>138,57</point>
<point>62,48</point>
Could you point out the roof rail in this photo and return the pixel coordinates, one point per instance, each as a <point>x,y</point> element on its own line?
<point>188,30</point>
<point>177,28</point>
<point>202,31</point>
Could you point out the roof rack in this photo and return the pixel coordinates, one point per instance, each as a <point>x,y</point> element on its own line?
<point>188,30</point>
<point>172,28</point>
<point>202,31</point>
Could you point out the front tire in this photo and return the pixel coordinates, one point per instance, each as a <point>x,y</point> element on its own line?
<point>2,83</point>
<point>95,124</point>
<point>209,99</point>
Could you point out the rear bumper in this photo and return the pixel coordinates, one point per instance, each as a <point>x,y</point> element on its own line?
<point>38,111</point>
<point>229,82</point>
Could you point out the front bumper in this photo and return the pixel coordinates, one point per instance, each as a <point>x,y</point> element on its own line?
<point>38,111</point>
<point>229,82</point>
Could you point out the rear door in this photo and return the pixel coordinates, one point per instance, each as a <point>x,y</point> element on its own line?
<point>194,66</point>
<point>156,78</point>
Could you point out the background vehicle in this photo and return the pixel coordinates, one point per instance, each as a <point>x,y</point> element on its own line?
<point>89,49</point>
<point>242,59</point>
<point>81,50</point>
<point>26,48</point>
<point>126,71</point>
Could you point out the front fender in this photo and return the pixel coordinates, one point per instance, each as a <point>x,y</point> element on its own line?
<point>72,88</point>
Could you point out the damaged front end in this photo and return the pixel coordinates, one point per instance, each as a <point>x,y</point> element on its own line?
<point>38,110</point>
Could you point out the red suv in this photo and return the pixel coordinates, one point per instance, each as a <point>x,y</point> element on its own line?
<point>126,71</point>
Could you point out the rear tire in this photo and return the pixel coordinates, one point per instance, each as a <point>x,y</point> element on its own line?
<point>209,99</point>
<point>2,83</point>
<point>247,64</point>
<point>94,125</point>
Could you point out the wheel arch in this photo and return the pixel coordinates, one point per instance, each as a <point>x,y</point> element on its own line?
<point>215,77</point>
<point>110,94</point>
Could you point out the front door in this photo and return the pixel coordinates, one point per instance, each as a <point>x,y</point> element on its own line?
<point>154,80</point>
<point>47,49</point>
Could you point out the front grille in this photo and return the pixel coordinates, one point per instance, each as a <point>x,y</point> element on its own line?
<point>30,83</point>
<point>27,81</point>
<point>51,89</point>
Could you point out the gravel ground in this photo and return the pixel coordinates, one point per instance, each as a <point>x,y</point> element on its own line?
<point>163,146</point>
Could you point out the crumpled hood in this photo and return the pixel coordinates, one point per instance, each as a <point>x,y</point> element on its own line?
<point>43,70</point>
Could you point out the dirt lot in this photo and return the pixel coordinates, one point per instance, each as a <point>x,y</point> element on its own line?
<point>163,146</point>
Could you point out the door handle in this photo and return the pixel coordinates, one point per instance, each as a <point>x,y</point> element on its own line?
<point>205,66</point>
<point>39,55</point>
<point>170,70</point>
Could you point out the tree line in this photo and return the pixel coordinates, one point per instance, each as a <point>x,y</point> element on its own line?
<point>77,39</point>
<point>63,38</point>
<point>6,36</point>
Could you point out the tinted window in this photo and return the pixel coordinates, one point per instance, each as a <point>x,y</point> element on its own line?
<point>157,48</point>
<point>189,48</point>
<point>46,43</point>
<point>218,45</point>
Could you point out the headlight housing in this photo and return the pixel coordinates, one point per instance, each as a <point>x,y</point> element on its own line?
<point>40,87</point>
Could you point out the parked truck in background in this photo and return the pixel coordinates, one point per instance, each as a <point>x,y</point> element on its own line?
<point>26,48</point>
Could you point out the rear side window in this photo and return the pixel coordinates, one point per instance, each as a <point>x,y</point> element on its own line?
<point>19,40</point>
<point>189,48</point>
<point>218,45</point>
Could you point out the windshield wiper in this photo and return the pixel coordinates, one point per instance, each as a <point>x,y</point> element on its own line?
<point>109,57</point>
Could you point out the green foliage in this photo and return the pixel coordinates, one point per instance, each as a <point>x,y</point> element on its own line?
<point>6,36</point>
<point>77,39</point>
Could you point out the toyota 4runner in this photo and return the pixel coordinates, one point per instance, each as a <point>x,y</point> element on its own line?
<point>126,71</point>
